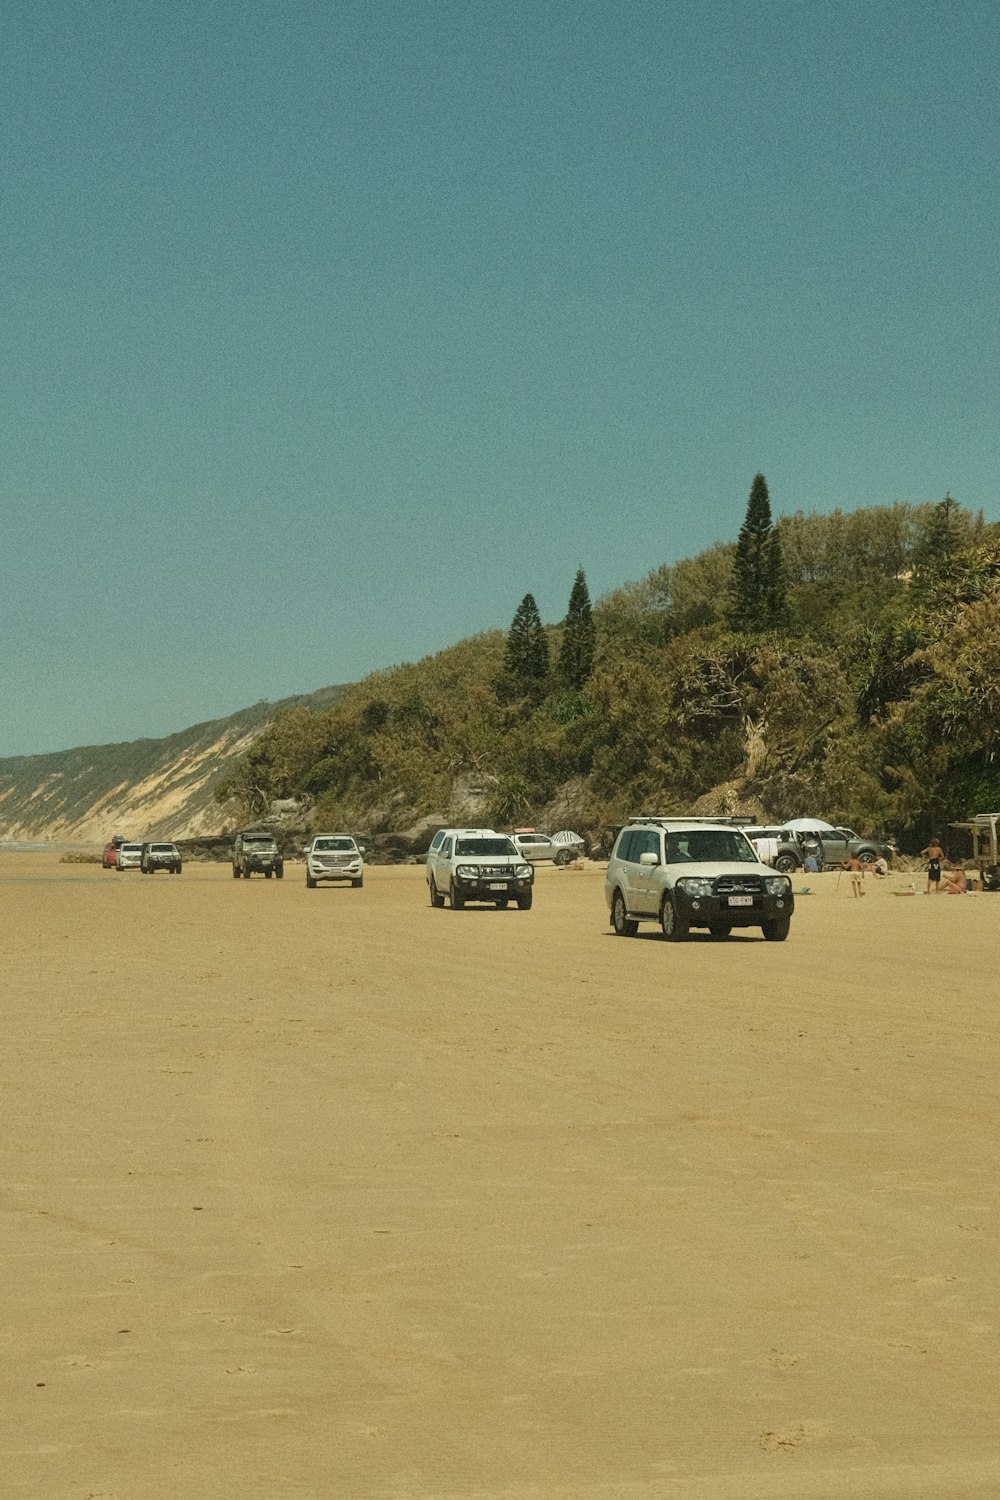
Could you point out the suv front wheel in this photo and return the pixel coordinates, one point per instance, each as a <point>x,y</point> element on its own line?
<point>776,931</point>
<point>675,929</point>
<point>786,863</point>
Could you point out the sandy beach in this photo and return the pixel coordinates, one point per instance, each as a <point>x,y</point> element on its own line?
<point>330,1194</point>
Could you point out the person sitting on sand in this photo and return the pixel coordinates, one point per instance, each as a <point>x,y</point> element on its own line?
<point>956,883</point>
<point>857,872</point>
<point>881,867</point>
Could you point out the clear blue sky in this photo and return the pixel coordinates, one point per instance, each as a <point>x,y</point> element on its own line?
<point>331,329</point>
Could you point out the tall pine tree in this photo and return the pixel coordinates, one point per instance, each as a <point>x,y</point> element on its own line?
<point>757,592</point>
<point>526,660</point>
<point>940,542</point>
<point>576,655</point>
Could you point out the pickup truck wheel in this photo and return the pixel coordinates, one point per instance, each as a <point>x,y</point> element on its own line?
<point>457,900</point>
<point>523,902</point>
<point>236,872</point>
<point>502,904</point>
<point>675,929</point>
<point>267,874</point>
<point>279,872</point>
<point>719,930</point>
<point>776,931</point>
<point>310,883</point>
<point>786,863</point>
<point>436,897</point>
<point>620,920</point>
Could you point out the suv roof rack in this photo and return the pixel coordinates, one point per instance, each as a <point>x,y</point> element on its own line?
<point>727,821</point>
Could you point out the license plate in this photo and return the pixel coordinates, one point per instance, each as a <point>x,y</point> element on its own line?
<point>741,901</point>
<point>500,887</point>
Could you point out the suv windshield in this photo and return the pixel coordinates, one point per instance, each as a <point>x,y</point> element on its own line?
<point>708,845</point>
<point>484,848</point>
<point>338,844</point>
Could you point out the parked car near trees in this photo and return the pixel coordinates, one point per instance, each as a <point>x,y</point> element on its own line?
<point>786,847</point>
<point>538,847</point>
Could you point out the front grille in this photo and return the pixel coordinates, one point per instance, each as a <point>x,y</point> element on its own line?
<point>495,872</point>
<point>739,885</point>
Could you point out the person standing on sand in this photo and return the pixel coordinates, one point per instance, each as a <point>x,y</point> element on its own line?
<point>934,855</point>
<point>857,872</point>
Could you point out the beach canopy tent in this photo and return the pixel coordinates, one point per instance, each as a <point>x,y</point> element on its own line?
<point>809,825</point>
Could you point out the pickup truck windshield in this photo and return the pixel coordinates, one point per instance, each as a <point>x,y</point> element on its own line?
<point>484,848</point>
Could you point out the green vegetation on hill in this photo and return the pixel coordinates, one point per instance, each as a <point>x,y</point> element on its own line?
<point>865,690</point>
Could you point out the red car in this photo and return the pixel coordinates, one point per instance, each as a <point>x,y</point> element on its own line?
<point>110,857</point>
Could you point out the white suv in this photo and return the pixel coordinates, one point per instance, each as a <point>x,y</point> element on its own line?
<point>685,872</point>
<point>334,856</point>
<point>477,864</point>
<point>128,857</point>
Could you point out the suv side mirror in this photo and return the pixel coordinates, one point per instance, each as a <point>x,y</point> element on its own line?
<point>649,858</point>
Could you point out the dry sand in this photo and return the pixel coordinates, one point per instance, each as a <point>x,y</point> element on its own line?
<point>328,1194</point>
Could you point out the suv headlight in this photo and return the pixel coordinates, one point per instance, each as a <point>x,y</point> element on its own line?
<point>695,885</point>
<point>467,872</point>
<point>523,872</point>
<point>777,885</point>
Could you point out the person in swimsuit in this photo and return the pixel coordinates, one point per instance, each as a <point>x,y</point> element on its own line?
<point>934,855</point>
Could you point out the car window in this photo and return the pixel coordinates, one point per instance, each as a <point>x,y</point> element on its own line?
<point>484,848</point>
<point>446,848</point>
<point>642,841</point>
<point>627,845</point>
